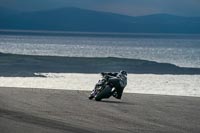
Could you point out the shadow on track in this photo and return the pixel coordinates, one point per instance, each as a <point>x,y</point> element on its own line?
<point>116,102</point>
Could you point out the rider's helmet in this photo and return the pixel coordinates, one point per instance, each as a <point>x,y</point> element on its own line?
<point>123,72</point>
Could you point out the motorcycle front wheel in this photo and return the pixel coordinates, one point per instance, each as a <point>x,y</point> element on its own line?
<point>105,93</point>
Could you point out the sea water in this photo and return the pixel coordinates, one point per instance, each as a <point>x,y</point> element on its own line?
<point>181,50</point>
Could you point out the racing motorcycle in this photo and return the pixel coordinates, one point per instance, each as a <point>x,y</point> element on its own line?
<point>103,89</point>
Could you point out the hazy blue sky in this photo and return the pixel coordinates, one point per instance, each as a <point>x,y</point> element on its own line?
<point>128,7</point>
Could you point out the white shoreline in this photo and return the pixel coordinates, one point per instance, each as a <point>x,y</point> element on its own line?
<point>181,85</point>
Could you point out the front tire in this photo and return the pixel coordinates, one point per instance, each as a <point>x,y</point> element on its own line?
<point>105,93</point>
<point>90,97</point>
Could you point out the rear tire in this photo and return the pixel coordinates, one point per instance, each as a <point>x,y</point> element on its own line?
<point>105,93</point>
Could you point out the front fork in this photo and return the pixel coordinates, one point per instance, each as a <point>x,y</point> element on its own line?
<point>94,92</point>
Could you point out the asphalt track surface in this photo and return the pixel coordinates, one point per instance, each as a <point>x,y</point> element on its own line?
<point>26,110</point>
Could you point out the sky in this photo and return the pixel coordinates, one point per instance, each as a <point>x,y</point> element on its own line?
<point>126,7</point>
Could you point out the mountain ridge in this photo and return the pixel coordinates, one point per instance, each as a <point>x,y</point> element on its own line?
<point>84,20</point>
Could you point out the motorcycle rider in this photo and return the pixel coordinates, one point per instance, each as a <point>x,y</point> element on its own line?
<point>118,80</point>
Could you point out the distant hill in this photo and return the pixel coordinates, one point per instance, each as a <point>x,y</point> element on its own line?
<point>26,65</point>
<point>75,19</point>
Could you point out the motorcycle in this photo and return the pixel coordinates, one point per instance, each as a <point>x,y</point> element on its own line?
<point>103,89</point>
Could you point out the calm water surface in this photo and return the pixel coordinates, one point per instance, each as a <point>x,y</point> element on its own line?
<point>181,51</point>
